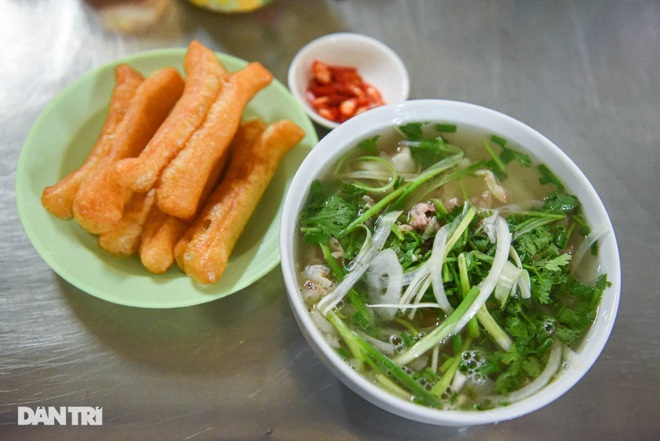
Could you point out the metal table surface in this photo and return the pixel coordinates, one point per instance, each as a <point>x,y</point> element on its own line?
<point>584,73</point>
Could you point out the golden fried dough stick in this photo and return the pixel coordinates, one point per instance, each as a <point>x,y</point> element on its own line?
<point>124,240</point>
<point>247,134</point>
<point>99,203</point>
<point>58,198</point>
<point>159,236</point>
<point>203,81</point>
<point>228,209</point>
<point>183,180</point>
<point>162,231</point>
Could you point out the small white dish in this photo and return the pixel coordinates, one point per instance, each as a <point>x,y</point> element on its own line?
<point>377,64</point>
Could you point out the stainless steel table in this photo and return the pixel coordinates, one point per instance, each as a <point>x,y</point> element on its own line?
<point>584,73</point>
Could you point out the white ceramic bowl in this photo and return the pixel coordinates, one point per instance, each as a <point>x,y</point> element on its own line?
<point>343,138</point>
<point>376,63</point>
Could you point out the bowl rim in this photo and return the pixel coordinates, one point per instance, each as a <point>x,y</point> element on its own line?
<point>293,79</point>
<point>328,150</point>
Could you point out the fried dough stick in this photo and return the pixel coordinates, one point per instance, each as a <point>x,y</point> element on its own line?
<point>58,198</point>
<point>160,235</point>
<point>183,180</point>
<point>204,251</point>
<point>162,231</point>
<point>99,203</point>
<point>124,240</point>
<point>203,81</point>
<point>246,135</point>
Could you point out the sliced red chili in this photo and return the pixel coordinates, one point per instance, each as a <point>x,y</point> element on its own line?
<point>338,92</point>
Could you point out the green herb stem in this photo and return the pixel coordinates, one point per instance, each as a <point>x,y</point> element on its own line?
<point>414,185</point>
<point>440,333</point>
<point>483,315</point>
<point>386,365</point>
<point>447,377</point>
<point>496,158</point>
<point>372,211</point>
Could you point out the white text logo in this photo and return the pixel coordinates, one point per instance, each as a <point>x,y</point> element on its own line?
<point>63,415</point>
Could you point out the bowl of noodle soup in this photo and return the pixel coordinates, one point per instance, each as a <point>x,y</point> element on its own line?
<point>448,200</point>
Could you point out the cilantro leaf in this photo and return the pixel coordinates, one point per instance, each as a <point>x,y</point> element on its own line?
<point>412,130</point>
<point>535,244</point>
<point>548,177</point>
<point>411,248</point>
<point>541,288</point>
<point>445,128</point>
<point>556,263</point>
<point>329,211</point>
<point>428,151</point>
<point>532,367</point>
<point>509,155</point>
<point>579,307</point>
<point>517,328</point>
<point>498,140</point>
<point>559,202</point>
<point>568,335</point>
<point>370,145</point>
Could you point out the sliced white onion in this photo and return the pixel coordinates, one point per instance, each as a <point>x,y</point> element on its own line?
<point>507,283</point>
<point>437,260</point>
<point>409,277</point>
<point>364,249</point>
<point>375,175</point>
<point>487,285</point>
<point>524,282</point>
<point>525,285</point>
<point>361,262</point>
<point>488,226</point>
<point>384,278</point>
<point>430,272</point>
<point>416,288</point>
<point>459,381</point>
<point>419,279</point>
